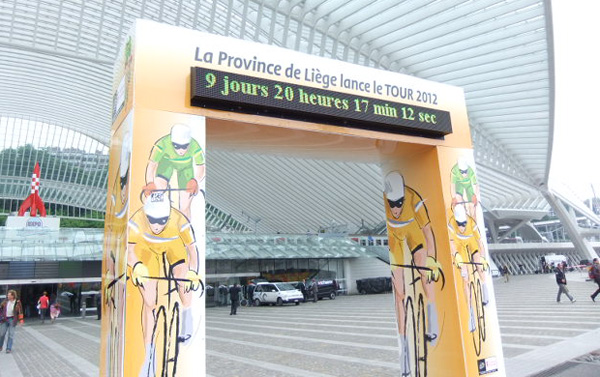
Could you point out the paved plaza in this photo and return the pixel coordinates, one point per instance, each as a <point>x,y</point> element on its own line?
<point>349,336</point>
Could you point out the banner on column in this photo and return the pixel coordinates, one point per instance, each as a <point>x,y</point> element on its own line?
<point>471,264</point>
<point>447,321</point>
<point>114,264</point>
<point>164,326</point>
<point>155,247</point>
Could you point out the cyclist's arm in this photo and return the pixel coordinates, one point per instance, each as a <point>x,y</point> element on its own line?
<point>482,249</point>
<point>476,191</point>
<point>151,171</point>
<point>192,252</point>
<point>132,259</point>
<point>453,248</point>
<point>429,240</point>
<point>199,171</point>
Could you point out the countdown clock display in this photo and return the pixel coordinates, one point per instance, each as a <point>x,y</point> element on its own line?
<point>221,90</point>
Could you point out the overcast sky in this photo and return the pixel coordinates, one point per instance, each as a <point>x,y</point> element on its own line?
<point>576,154</point>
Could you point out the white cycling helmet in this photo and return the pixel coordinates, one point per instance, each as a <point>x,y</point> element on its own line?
<point>462,163</point>
<point>460,214</point>
<point>394,186</point>
<point>157,205</point>
<point>181,134</point>
<point>125,154</point>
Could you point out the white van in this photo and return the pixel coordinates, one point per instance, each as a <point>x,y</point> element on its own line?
<point>555,259</point>
<point>276,293</point>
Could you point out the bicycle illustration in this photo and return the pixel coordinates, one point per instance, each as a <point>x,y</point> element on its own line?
<point>411,237</point>
<point>167,338</point>
<point>476,299</point>
<point>164,265</point>
<point>114,294</point>
<point>415,318</point>
<point>467,249</point>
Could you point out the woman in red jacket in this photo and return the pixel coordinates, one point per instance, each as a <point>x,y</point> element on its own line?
<point>11,313</point>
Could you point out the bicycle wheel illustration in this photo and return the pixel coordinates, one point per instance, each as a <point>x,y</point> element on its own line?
<point>421,339</point>
<point>165,334</point>
<point>481,311</point>
<point>415,334</point>
<point>476,334</point>
<point>411,334</point>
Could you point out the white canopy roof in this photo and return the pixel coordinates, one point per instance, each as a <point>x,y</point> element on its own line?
<point>57,63</point>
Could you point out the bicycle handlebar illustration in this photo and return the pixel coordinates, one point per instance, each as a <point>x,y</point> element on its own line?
<point>169,189</point>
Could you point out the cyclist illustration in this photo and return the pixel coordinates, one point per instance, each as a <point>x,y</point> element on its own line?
<point>176,152</point>
<point>470,258</point>
<point>411,238</point>
<point>161,246</point>
<point>464,185</point>
<point>115,266</point>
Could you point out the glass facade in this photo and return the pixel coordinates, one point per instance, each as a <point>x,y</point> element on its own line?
<point>71,296</point>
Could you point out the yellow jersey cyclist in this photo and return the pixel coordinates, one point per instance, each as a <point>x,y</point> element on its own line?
<point>468,249</point>
<point>410,236</point>
<point>176,152</point>
<point>158,232</point>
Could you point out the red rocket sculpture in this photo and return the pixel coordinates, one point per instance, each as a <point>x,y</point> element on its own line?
<point>34,201</point>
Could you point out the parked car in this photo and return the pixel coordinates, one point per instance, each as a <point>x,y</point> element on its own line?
<point>327,288</point>
<point>374,285</point>
<point>585,262</point>
<point>276,294</point>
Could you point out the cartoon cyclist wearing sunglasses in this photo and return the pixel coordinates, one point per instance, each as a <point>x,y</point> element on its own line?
<point>464,185</point>
<point>468,250</point>
<point>160,243</point>
<point>411,235</point>
<point>178,152</point>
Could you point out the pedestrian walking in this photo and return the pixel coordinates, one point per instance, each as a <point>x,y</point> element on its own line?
<point>223,294</point>
<point>73,303</point>
<point>302,287</point>
<point>54,310</point>
<point>505,272</point>
<point>98,306</point>
<point>314,288</point>
<point>595,274</point>
<point>43,306</point>
<point>234,293</point>
<point>561,280</point>
<point>250,290</point>
<point>11,314</point>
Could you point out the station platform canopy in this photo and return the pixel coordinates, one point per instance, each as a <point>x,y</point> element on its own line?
<point>57,69</point>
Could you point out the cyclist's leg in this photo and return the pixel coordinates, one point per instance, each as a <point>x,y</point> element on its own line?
<point>149,297</point>
<point>185,198</point>
<point>469,194</point>
<point>420,257</point>
<point>399,296</point>
<point>164,171</point>
<point>464,273</point>
<point>149,294</point>
<point>460,193</point>
<point>476,256</point>
<point>180,268</point>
